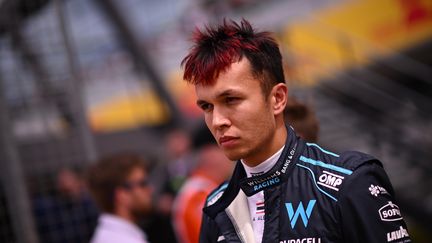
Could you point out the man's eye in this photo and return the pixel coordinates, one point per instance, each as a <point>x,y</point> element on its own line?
<point>206,107</point>
<point>231,100</point>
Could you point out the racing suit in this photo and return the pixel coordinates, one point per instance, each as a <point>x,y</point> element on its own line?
<point>311,196</point>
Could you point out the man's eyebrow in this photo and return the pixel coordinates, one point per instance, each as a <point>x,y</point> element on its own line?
<point>223,94</point>
<point>227,92</point>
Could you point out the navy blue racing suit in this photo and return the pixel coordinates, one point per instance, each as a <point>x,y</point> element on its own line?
<point>311,195</point>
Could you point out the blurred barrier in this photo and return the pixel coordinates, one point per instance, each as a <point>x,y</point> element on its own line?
<point>13,182</point>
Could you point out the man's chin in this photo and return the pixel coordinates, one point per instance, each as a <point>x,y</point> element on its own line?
<point>142,212</point>
<point>232,156</point>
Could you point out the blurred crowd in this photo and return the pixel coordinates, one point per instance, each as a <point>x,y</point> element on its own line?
<point>121,198</point>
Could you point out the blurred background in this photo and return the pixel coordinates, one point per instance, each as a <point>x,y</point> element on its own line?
<point>80,79</point>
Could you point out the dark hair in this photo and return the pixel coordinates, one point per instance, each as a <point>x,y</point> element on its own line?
<point>216,48</point>
<point>302,119</point>
<point>109,173</point>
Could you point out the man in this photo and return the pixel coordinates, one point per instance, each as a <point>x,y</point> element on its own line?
<point>72,201</point>
<point>169,177</point>
<point>120,188</point>
<point>282,188</point>
<point>212,168</point>
<point>176,169</point>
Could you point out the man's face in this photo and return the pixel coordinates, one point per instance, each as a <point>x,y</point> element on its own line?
<point>240,118</point>
<point>139,192</point>
<point>69,183</point>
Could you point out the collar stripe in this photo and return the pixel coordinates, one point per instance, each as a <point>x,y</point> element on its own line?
<point>323,150</point>
<point>328,166</point>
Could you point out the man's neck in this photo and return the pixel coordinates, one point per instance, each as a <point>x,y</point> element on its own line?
<point>276,144</point>
<point>126,215</point>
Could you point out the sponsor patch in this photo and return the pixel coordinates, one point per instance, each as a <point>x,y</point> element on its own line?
<point>330,180</point>
<point>390,212</point>
<point>267,183</point>
<point>302,240</point>
<point>397,234</point>
<point>377,190</point>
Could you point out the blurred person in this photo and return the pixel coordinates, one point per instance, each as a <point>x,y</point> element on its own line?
<point>212,168</point>
<point>178,144</point>
<point>175,171</point>
<point>119,185</point>
<point>282,188</point>
<point>302,119</point>
<point>70,183</point>
<point>69,214</point>
<point>169,177</point>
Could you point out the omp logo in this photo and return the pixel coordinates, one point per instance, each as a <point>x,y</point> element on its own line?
<point>300,212</point>
<point>330,180</point>
<point>390,212</point>
<point>397,234</point>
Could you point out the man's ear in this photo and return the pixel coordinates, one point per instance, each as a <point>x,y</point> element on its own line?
<point>279,98</point>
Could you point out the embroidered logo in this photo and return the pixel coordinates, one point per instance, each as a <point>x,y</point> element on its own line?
<point>377,190</point>
<point>390,212</point>
<point>300,212</point>
<point>330,180</point>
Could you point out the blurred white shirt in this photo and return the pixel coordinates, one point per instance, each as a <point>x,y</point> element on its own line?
<point>113,229</point>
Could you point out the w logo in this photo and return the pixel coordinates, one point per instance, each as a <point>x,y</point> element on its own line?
<point>293,216</point>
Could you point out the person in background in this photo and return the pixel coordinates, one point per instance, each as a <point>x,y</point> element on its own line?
<point>177,169</point>
<point>302,119</point>
<point>282,188</point>
<point>119,185</point>
<point>69,214</point>
<point>212,168</point>
<point>168,178</point>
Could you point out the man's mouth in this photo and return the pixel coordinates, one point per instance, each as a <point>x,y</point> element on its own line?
<point>227,141</point>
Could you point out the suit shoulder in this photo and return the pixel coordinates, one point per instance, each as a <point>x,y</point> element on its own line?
<point>330,170</point>
<point>344,163</point>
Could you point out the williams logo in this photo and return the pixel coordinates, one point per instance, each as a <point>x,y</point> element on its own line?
<point>390,212</point>
<point>266,183</point>
<point>300,212</point>
<point>330,180</point>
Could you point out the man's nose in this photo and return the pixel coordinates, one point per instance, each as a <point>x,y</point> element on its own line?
<point>220,119</point>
